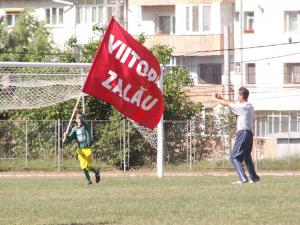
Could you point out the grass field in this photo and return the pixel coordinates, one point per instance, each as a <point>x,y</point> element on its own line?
<point>149,200</point>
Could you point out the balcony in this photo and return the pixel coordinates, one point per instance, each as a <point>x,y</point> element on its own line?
<point>173,2</point>
<point>189,45</point>
<point>203,93</point>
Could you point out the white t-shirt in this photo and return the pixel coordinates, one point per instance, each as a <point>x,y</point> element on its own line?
<point>245,113</point>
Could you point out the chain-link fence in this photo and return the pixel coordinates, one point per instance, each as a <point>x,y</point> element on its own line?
<point>188,146</point>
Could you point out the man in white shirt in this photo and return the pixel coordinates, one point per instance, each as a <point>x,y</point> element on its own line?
<point>244,137</point>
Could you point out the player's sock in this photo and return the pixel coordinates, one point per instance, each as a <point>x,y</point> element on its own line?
<point>86,174</point>
<point>94,170</point>
<point>97,174</point>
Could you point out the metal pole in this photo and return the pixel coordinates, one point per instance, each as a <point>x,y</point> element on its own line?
<point>128,145</point>
<point>124,146</point>
<point>120,139</point>
<point>26,143</point>
<point>55,151</point>
<point>255,139</point>
<point>58,145</point>
<point>243,78</point>
<point>126,15</point>
<point>187,142</point>
<point>289,147</point>
<point>160,135</point>
<point>227,77</point>
<point>227,61</point>
<point>92,133</point>
<point>191,146</point>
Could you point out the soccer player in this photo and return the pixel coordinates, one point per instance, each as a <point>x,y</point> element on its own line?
<point>244,137</point>
<point>82,134</point>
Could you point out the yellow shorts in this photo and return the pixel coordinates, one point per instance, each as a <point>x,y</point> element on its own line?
<point>85,158</point>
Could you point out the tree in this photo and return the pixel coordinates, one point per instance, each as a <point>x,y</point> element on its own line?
<point>29,40</point>
<point>3,36</point>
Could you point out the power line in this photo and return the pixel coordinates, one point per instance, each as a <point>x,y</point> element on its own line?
<point>35,53</point>
<point>195,52</point>
<point>250,47</point>
<point>266,58</point>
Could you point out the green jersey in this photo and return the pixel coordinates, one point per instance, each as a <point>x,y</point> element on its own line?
<point>82,135</point>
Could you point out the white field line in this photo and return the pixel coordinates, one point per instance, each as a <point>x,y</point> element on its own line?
<point>137,174</point>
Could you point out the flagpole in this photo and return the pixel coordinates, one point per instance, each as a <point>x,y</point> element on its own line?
<point>160,134</point>
<point>73,114</point>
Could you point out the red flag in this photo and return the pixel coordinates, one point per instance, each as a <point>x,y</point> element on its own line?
<point>124,74</point>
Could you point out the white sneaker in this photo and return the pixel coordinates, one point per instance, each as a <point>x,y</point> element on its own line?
<point>239,182</point>
<point>253,181</point>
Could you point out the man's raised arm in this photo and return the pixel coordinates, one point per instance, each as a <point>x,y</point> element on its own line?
<point>220,99</point>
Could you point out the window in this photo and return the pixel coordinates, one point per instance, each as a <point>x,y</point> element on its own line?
<point>198,18</point>
<point>250,73</point>
<point>166,24</point>
<point>249,22</point>
<point>292,73</point>
<point>292,20</point>
<point>284,122</point>
<point>88,14</point>
<point>206,18</point>
<point>100,16</point>
<point>274,123</point>
<point>187,18</point>
<point>100,11</point>
<point>54,16</point>
<point>277,122</point>
<point>210,74</point>
<point>181,61</point>
<point>94,14</point>
<point>294,119</point>
<point>195,19</point>
<point>12,18</point>
<point>261,124</point>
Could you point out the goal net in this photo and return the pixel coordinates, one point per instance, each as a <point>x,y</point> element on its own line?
<point>35,85</point>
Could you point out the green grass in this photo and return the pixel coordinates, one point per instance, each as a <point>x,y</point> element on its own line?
<point>149,200</point>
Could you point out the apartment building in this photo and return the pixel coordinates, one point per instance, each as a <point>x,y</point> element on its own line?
<point>194,29</point>
<point>66,18</point>
<point>267,61</point>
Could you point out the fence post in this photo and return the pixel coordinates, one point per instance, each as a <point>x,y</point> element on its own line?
<point>55,144</point>
<point>26,143</point>
<point>191,146</point>
<point>124,146</point>
<point>92,133</point>
<point>128,144</point>
<point>187,142</point>
<point>289,160</point>
<point>255,140</point>
<point>58,145</point>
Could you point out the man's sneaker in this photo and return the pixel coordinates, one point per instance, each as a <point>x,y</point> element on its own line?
<point>240,182</point>
<point>253,181</point>
<point>89,182</point>
<point>97,176</point>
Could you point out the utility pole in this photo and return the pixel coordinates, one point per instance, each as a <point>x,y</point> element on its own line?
<point>160,135</point>
<point>227,83</point>
<point>243,77</point>
<point>227,62</point>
